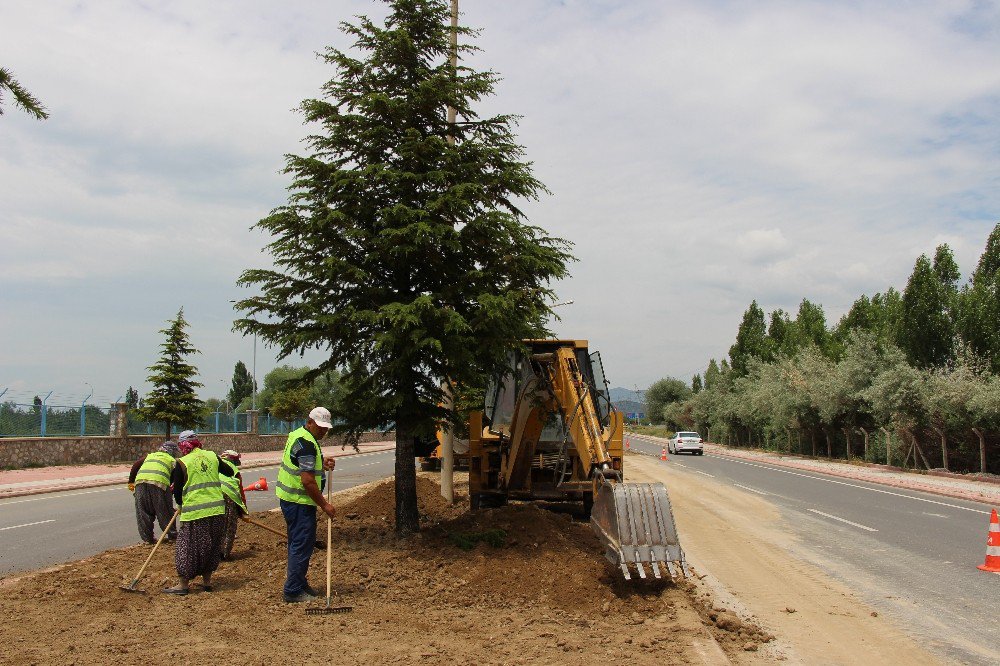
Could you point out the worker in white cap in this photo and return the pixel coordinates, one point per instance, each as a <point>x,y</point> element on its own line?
<point>300,491</point>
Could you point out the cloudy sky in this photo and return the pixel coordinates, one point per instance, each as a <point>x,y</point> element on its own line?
<point>700,154</point>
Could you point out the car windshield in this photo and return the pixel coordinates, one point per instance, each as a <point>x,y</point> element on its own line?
<point>687,435</point>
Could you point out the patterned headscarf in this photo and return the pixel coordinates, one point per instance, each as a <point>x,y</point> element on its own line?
<point>187,441</point>
<point>170,447</point>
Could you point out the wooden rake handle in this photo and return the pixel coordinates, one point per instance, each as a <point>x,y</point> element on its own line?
<point>158,542</point>
<point>247,519</point>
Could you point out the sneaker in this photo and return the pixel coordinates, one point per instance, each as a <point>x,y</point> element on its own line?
<point>298,598</point>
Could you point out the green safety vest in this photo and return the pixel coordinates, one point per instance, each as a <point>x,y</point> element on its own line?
<point>289,486</point>
<point>156,469</point>
<point>231,486</point>
<point>202,494</point>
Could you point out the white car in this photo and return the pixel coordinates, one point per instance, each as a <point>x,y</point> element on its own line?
<point>686,442</point>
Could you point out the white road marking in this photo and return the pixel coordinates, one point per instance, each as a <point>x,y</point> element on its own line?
<point>844,520</point>
<point>936,515</point>
<point>40,522</point>
<point>703,473</point>
<point>853,485</point>
<point>753,490</point>
<point>57,495</point>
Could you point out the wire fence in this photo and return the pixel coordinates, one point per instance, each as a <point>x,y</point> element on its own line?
<point>33,420</point>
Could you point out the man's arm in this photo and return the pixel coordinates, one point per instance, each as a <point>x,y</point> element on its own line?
<point>316,495</point>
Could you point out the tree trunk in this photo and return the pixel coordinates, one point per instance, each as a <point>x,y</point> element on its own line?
<point>812,436</point>
<point>847,439</point>
<point>829,444</point>
<point>798,432</point>
<point>982,449</point>
<point>167,426</point>
<point>865,433</point>
<point>407,515</point>
<point>888,446</point>
<point>788,431</point>
<point>944,447</point>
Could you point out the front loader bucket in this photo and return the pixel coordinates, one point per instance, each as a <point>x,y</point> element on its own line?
<point>635,524</point>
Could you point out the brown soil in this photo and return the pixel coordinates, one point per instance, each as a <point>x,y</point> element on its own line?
<point>544,596</point>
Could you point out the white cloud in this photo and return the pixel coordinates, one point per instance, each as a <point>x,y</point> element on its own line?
<point>701,155</point>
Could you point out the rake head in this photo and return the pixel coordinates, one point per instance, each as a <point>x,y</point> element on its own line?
<point>131,587</point>
<point>329,610</point>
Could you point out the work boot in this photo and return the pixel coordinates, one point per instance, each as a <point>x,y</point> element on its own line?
<point>298,598</point>
<point>309,589</point>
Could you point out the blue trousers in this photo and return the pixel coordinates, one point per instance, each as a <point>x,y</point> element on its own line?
<point>300,520</point>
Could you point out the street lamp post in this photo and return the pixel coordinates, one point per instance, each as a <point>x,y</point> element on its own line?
<point>83,411</point>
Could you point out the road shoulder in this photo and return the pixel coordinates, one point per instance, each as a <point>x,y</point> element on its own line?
<point>739,538</point>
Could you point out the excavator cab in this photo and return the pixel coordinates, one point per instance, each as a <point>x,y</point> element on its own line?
<point>549,432</point>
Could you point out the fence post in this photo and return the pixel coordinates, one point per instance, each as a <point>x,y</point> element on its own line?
<point>44,412</point>
<point>216,422</point>
<point>252,421</point>
<point>119,422</point>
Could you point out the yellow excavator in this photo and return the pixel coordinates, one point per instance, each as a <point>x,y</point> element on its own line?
<point>549,432</point>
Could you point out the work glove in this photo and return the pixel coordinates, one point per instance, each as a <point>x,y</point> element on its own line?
<point>131,488</point>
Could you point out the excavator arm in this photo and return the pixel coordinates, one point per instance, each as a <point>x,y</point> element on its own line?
<point>633,521</point>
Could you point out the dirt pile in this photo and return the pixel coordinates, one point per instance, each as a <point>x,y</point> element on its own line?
<point>543,595</point>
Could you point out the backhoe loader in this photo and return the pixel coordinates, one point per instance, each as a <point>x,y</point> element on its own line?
<point>549,432</point>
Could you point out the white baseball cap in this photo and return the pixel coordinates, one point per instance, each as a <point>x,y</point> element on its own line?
<point>321,417</point>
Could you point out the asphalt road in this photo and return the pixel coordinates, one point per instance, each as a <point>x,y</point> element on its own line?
<point>42,530</point>
<point>910,554</point>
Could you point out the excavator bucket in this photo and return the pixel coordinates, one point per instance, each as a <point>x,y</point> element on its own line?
<point>635,524</point>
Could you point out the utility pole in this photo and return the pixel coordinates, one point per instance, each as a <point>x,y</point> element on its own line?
<point>448,445</point>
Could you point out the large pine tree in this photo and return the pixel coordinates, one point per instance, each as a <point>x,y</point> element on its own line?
<point>402,252</point>
<point>173,399</point>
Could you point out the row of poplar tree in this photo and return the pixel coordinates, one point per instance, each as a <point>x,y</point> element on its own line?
<point>909,378</point>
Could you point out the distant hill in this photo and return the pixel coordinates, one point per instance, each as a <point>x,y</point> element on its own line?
<point>629,406</point>
<point>619,393</point>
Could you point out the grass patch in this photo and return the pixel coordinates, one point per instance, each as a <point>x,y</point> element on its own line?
<point>468,540</point>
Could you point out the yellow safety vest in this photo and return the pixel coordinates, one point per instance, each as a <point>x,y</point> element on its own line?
<point>231,485</point>
<point>156,469</point>
<point>202,494</point>
<point>289,486</point>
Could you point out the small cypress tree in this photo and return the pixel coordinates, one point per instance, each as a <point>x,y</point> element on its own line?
<point>173,399</point>
<point>751,340</point>
<point>242,386</point>
<point>979,305</point>
<point>926,332</point>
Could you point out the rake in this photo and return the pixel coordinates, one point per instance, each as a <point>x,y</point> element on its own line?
<point>328,609</point>
<point>131,587</point>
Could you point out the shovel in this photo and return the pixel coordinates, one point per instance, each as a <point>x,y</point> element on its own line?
<point>131,587</point>
<point>328,609</point>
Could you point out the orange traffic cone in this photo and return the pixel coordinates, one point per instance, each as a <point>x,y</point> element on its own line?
<point>663,453</point>
<point>992,562</point>
<point>627,444</point>
<point>260,485</point>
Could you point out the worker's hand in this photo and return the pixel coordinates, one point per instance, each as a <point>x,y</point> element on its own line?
<point>131,487</point>
<point>329,510</point>
<point>329,464</point>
